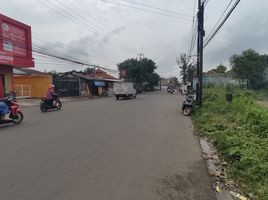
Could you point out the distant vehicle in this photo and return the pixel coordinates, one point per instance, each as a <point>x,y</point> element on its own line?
<point>124,90</point>
<point>47,104</point>
<point>170,90</point>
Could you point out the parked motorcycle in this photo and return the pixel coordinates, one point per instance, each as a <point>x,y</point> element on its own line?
<point>170,90</point>
<point>187,105</point>
<point>16,116</point>
<point>47,104</point>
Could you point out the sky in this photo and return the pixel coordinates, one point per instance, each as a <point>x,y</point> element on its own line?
<point>107,32</point>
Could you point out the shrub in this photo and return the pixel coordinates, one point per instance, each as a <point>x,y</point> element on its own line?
<point>240,132</point>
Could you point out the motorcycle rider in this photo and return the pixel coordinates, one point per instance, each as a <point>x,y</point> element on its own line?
<point>51,94</point>
<point>4,111</point>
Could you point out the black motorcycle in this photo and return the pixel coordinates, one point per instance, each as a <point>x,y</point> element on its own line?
<point>170,90</point>
<point>187,105</point>
<point>47,104</point>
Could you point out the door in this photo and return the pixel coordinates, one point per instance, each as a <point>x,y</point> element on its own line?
<point>2,85</point>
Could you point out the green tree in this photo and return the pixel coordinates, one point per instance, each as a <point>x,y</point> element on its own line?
<point>53,73</point>
<point>249,68</point>
<point>89,70</point>
<point>221,69</point>
<point>174,80</point>
<point>153,80</point>
<point>140,71</point>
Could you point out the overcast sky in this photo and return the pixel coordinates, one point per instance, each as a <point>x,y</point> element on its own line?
<point>102,33</point>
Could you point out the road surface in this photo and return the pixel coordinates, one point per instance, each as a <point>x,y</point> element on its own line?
<point>103,149</point>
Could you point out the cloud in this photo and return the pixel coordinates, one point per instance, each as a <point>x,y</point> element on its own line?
<point>162,38</point>
<point>241,32</point>
<point>112,33</point>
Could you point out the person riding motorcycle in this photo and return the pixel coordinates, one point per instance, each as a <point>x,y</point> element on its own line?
<point>4,111</point>
<point>51,94</point>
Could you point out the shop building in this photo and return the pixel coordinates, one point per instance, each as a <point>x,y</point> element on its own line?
<point>15,50</point>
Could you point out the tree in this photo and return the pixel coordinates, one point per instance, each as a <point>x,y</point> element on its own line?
<point>153,80</point>
<point>140,71</point>
<point>89,70</point>
<point>221,69</point>
<point>183,65</point>
<point>249,68</point>
<point>191,72</point>
<point>53,73</point>
<point>174,80</point>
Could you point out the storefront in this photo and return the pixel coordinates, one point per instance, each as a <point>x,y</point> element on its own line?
<point>5,79</point>
<point>15,50</point>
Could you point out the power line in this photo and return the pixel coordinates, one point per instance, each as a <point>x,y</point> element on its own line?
<point>57,44</point>
<point>206,3</point>
<point>74,6</point>
<point>94,27</point>
<point>193,33</point>
<point>38,49</point>
<point>56,9</point>
<point>147,10</point>
<point>222,23</point>
<point>215,26</point>
<point>159,9</point>
<point>75,17</point>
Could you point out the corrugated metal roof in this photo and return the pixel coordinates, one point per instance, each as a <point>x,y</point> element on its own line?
<point>89,76</point>
<point>23,71</point>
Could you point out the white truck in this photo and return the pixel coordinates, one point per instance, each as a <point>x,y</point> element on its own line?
<point>124,90</point>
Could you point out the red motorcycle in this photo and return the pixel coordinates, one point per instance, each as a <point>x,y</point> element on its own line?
<point>16,116</point>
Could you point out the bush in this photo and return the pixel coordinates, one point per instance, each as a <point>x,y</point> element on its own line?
<point>240,131</point>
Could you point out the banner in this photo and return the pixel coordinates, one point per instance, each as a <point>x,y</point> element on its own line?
<point>14,39</point>
<point>6,58</point>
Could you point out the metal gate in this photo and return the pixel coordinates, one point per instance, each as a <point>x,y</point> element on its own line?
<point>67,88</point>
<point>23,91</point>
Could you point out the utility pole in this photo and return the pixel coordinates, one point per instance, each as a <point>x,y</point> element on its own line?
<point>140,55</point>
<point>200,41</point>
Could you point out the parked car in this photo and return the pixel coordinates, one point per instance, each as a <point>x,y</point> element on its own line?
<point>124,90</point>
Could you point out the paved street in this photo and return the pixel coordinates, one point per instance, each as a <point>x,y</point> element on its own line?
<point>103,149</point>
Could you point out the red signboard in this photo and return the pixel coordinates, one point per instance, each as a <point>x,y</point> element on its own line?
<point>6,58</point>
<point>16,42</point>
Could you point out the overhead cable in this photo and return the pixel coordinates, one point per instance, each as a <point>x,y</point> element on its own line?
<point>148,10</point>
<point>221,24</point>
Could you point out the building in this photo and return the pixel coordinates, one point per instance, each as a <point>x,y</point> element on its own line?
<point>75,83</point>
<point>29,83</point>
<point>15,50</point>
<point>213,77</point>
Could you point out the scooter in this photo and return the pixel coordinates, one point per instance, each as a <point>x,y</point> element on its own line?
<point>47,104</point>
<point>16,116</point>
<point>187,105</point>
<point>170,90</point>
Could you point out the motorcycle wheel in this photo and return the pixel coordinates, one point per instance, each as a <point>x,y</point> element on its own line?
<point>58,105</point>
<point>43,108</point>
<point>187,110</point>
<point>18,118</point>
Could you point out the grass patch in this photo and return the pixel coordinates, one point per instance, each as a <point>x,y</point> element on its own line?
<point>240,132</point>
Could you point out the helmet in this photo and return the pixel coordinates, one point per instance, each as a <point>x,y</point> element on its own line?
<point>51,86</point>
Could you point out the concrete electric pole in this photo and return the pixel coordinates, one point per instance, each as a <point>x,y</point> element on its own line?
<point>200,41</point>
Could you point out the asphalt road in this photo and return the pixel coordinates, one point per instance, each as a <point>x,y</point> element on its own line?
<point>103,149</point>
